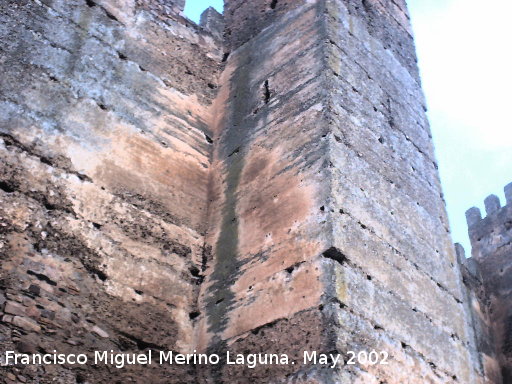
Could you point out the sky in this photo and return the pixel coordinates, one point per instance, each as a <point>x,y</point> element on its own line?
<point>465,62</point>
<point>194,8</point>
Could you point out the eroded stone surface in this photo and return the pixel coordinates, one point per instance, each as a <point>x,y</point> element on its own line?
<point>105,147</point>
<point>327,167</point>
<point>275,192</point>
<point>488,281</point>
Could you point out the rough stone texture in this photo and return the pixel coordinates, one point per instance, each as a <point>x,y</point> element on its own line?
<point>213,22</point>
<point>491,242</point>
<point>274,192</point>
<point>477,299</point>
<point>105,147</point>
<point>326,196</point>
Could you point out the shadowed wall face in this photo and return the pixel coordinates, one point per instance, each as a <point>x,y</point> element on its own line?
<point>268,228</point>
<point>105,147</point>
<point>491,242</point>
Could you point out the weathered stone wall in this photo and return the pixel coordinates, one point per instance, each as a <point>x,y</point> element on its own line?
<point>401,283</point>
<point>328,224</point>
<point>304,195</point>
<point>263,290</point>
<point>480,315</point>
<point>491,242</point>
<point>105,148</point>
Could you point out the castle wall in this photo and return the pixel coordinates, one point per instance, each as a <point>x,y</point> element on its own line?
<point>484,349</point>
<point>263,288</point>
<point>157,192</point>
<point>491,242</point>
<point>105,147</point>
<point>328,210</point>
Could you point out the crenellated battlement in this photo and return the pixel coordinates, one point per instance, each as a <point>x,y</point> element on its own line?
<point>491,263</point>
<point>492,207</point>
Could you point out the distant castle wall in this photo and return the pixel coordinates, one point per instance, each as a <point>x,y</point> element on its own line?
<point>491,261</point>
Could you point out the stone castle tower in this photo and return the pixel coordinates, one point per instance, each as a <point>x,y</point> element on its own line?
<point>488,276</point>
<point>262,183</point>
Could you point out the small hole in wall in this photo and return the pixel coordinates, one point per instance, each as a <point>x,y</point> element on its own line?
<point>138,292</point>
<point>198,278</point>
<point>194,315</point>
<point>219,301</point>
<point>273,4</point>
<point>111,16</point>
<point>49,206</point>
<point>96,225</point>
<point>225,57</point>
<point>381,140</point>
<point>122,56</point>
<point>266,93</point>
<point>334,254</point>
<point>235,151</point>
<point>101,275</point>
<point>322,208</point>
<point>90,3</point>
<point>6,187</point>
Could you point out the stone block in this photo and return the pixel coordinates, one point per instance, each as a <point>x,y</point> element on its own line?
<point>26,323</point>
<point>492,204</point>
<point>14,308</point>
